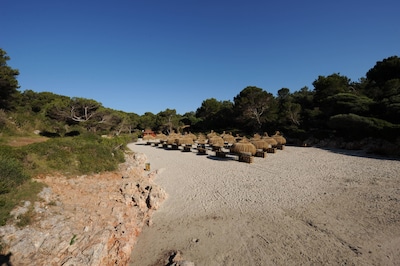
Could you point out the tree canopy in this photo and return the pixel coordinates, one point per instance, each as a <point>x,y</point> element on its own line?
<point>372,105</point>
<point>8,82</point>
<point>253,106</point>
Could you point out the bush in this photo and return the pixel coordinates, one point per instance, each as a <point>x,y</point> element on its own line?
<point>11,174</point>
<point>353,126</point>
<point>3,118</point>
<point>28,191</point>
<point>83,154</point>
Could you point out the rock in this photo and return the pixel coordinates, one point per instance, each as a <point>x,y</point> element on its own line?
<point>46,194</point>
<point>183,263</point>
<point>176,259</point>
<point>21,210</point>
<point>87,220</point>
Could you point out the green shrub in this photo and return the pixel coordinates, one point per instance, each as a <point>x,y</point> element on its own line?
<point>28,191</point>
<point>3,119</point>
<point>11,174</point>
<point>354,126</point>
<point>83,154</point>
<point>25,219</point>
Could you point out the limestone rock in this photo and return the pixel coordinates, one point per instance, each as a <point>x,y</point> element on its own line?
<point>87,220</point>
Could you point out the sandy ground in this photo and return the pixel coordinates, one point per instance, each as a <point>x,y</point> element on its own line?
<point>299,206</point>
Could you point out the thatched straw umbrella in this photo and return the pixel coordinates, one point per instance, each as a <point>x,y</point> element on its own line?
<point>269,140</point>
<point>201,139</point>
<point>216,142</point>
<point>256,136</point>
<point>184,141</point>
<point>211,134</point>
<point>279,138</point>
<point>162,137</point>
<point>243,146</point>
<point>148,137</point>
<point>238,138</point>
<point>171,139</point>
<point>260,144</point>
<point>191,135</point>
<point>228,138</point>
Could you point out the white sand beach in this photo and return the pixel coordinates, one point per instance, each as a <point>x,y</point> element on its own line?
<point>298,206</point>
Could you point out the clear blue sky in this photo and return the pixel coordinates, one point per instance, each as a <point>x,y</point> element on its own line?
<point>139,56</point>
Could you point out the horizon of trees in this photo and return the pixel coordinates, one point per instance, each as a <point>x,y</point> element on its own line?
<point>335,107</point>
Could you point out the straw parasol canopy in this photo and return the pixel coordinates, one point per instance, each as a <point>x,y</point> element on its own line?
<point>216,141</point>
<point>148,137</point>
<point>192,136</point>
<point>238,138</point>
<point>211,134</point>
<point>171,139</point>
<point>184,140</point>
<point>201,139</point>
<point>261,144</point>
<point>279,138</point>
<point>243,146</point>
<point>161,137</point>
<point>228,138</point>
<point>269,140</point>
<point>256,137</point>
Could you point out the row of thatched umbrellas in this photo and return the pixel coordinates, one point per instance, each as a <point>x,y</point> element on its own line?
<point>236,144</point>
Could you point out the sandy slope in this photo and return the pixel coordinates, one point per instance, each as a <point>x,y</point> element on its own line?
<point>297,206</point>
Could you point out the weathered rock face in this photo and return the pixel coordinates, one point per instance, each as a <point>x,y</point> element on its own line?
<point>87,220</point>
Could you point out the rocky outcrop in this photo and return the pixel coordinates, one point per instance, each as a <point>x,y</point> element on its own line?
<point>86,220</point>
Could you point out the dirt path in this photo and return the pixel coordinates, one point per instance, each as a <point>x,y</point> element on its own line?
<point>297,206</point>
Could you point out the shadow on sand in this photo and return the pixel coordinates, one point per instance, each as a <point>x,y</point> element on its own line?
<point>358,153</point>
<point>5,259</point>
<point>216,158</point>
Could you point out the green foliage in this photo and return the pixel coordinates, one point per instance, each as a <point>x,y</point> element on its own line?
<point>335,105</point>
<point>36,102</point>
<point>254,106</point>
<point>73,239</point>
<point>28,191</point>
<point>354,126</point>
<point>385,70</point>
<point>289,112</point>
<point>25,219</point>
<point>148,120</point>
<point>344,103</point>
<point>8,82</point>
<point>209,108</point>
<point>214,114</point>
<point>191,120</point>
<point>330,85</point>
<point>3,120</point>
<point>84,154</point>
<point>168,121</point>
<point>11,171</point>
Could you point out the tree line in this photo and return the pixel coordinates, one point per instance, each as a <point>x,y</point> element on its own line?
<point>335,107</point>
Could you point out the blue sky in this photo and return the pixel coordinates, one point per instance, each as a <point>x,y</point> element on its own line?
<point>147,56</point>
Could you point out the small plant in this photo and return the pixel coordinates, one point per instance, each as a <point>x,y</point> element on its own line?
<point>73,239</point>
<point>24,219</point>
<point>12,174</point>
<point>52,203</point>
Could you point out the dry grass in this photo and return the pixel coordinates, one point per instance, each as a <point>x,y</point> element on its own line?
<point>23,141</point>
